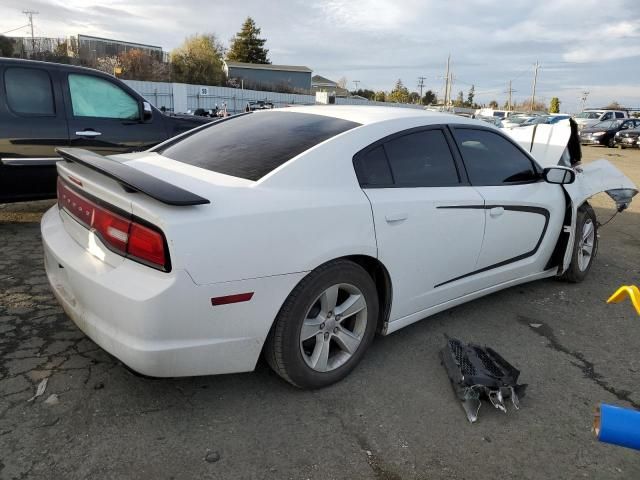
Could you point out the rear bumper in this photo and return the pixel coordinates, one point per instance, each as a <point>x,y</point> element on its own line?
<point>160,324</point>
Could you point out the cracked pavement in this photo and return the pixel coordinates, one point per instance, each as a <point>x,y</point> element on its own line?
<point>394,417</point>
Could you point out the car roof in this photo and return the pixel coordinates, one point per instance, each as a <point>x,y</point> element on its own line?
<point>366,114</point>
<point>15,62</point>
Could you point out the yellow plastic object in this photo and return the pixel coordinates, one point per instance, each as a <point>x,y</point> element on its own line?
<point>630,291</point>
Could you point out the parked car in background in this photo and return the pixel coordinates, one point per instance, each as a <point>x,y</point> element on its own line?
<point>604,133</point>
<point>490,112</point>
<point>589,118</point>
<point>495,121</point>
<point>258,105</point>
<point>47,105</point>
<point>629,138</point>
<point>516,120</point>
<point>557,117</point>
<point>195,257</point>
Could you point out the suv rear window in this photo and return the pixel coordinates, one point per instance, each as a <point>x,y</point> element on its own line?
<point>252,145</point>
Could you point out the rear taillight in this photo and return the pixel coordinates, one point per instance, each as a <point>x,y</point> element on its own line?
<point>146,244</point>
<point>120,233</point>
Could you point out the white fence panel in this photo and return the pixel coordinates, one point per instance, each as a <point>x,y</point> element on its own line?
<point>163,94</point>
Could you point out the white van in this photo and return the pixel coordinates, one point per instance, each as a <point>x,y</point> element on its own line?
<point>590,117</point>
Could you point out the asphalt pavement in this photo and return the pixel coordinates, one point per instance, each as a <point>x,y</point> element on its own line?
<point>394,417</point>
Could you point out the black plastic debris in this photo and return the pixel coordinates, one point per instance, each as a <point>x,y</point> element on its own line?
<point>478,373</point>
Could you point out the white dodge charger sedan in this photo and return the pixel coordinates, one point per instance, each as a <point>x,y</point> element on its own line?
<point>302,232</point>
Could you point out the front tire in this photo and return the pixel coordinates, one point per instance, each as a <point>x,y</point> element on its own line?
<point>611,143</point>
<point>325,326</point>
<point>585,246</point>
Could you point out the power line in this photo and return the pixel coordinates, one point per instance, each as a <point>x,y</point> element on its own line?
<point>14,29</point>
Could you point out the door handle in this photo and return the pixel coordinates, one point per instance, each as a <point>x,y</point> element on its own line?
<point>396,217</point>
<point>88,133</point>
<point>496,211</point>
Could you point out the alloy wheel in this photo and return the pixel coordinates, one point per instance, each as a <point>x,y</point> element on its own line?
<point>333,327</point>
<point>585,245</point>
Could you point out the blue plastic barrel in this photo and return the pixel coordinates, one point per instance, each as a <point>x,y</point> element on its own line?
<point>618,426</point>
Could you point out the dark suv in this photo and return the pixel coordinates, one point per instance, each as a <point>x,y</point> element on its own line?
<point>48,105</point>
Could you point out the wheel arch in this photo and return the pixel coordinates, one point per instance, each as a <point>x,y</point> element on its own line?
<point>380,276</point>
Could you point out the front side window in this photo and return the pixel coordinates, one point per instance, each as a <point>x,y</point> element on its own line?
<point>491,159</point>
<point>422,159</point>
<point>97,97</point>
<point>607,116</point>
<point>29,91</point>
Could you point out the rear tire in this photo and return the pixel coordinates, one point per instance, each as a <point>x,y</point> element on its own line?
<point>325,326</point>
<point>585,246</point>
<point>611,143</point>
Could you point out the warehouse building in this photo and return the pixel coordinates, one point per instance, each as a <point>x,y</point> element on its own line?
<point>279,78</point>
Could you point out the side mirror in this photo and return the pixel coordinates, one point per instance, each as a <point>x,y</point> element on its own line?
<point>147,112</point>
<point>559,175</point>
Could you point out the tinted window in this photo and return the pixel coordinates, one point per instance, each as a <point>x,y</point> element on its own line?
<point>29,91</point>
<point>491,159</point>
<point>97,97</point>
<point>421,159</point>
<point>619,115</point>
<point>252,145</point>
<point>372,168</point>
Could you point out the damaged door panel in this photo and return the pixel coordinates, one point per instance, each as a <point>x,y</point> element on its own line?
<point>549,145</point>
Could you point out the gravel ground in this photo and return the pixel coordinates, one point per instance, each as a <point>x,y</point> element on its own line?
<point>395,417</point>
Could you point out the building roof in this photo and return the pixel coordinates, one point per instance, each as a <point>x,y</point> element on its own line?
<point>268,66</point>
<point>321,81</point>
<point>121,42</point>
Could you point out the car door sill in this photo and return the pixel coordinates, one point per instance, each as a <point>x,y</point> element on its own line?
<point>414,317</point>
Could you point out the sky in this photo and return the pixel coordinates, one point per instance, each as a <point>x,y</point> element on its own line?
<point>581,45</point>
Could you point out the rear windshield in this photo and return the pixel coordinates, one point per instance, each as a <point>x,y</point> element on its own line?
<point>252,145</point>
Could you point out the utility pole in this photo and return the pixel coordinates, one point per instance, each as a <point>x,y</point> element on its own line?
<point>451,78</point>
<point>421,85</point>
<point>357,82</point>
<point>30,14</point>
<point>535,81</point>
<point>584,97</point>
<point>510,92</point>
<point>446,83</point>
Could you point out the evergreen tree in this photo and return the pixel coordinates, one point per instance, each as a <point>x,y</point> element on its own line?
<point>554,106</point>
<point>399,94</point>
<point>247,46</point>
<point>429,98</point>
<point>470,96</point>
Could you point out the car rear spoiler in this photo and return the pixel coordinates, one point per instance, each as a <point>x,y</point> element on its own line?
<point>131,178</point>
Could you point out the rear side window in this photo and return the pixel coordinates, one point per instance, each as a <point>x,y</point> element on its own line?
<point>422,159</point>
<point>29,91</point>
<point>373,169</point>
<point>252,145</point>
<point>97,97</point>
<point>619,115</point>
<point>491,159</point>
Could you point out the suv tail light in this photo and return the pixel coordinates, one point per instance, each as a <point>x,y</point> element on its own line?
<point>120,232</point>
